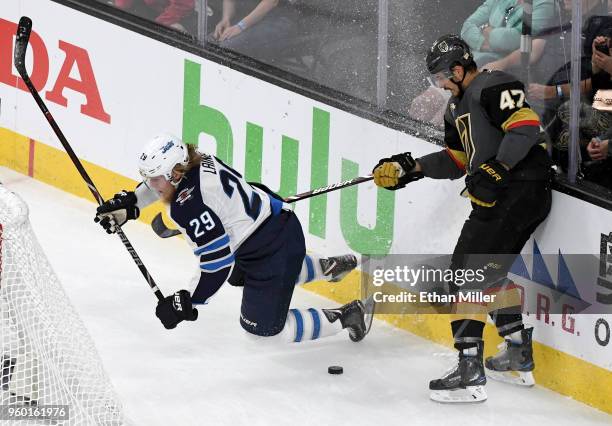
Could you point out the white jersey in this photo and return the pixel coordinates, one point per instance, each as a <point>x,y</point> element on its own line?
<point>217,210</point>
<point>240,206</point>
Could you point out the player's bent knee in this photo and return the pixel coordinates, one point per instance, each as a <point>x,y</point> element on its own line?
<point>261,336</point>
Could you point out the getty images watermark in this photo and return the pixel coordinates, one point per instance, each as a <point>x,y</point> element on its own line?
<point>437,281</point>
<point>539,283</point>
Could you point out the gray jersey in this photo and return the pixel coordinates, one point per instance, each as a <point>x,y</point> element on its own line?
<point>491,121</point>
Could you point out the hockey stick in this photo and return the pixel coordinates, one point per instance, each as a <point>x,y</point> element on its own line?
<point>328,188</point>
<point>21,45</point>
<point>160,228</point>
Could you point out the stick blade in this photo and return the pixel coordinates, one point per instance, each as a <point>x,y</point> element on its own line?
<point>21,44</point>
<point>160,228</point>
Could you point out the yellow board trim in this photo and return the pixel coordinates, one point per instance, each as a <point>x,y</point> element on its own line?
<point>54,167</point>
<point>555,370</point>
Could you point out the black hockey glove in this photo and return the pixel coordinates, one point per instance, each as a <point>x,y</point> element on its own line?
<point>486,184</point>
<point>176,308</point>
<point>395,172</point>
<point>116,211</point>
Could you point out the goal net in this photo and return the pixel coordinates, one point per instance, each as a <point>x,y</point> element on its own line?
<point>46,355</point>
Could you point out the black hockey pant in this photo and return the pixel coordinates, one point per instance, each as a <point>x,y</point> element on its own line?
<point>499,233</point>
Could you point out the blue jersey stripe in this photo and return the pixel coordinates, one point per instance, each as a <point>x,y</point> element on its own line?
<point>316,321</point>
<point>216,265</point>
<point>299,325</point>
<point>213,246</point>
<point>310,268</point>
<point>276,205</point>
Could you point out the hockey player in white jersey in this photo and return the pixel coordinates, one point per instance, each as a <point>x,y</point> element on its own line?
<point>242,233</point>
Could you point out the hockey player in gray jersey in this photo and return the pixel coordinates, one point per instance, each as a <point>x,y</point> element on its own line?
<point>236,229</point>
<point>492,137</point>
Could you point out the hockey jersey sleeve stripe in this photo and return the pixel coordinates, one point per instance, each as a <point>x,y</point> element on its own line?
<point>458,157</point>
<point>216,255</point>
<point>214,245</point>
<point>535,123</point>
<point>522,117</point>
<point>216,265</point>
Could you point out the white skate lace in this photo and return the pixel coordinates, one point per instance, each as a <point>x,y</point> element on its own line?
<point>330,268</point>
<point>450,370</point>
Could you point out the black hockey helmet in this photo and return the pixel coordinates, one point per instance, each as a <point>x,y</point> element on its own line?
<point>448,51</point>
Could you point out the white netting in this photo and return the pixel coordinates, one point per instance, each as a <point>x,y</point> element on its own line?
<point>46,355</point>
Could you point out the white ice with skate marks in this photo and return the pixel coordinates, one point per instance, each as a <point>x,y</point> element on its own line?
<point>208,373</point>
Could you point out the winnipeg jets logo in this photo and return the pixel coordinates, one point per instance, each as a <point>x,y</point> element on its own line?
<point>443,47</point>
<point>185,195</point>
<point>166,147</point>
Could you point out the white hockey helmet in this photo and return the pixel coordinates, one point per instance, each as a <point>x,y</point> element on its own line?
<point>160,155</point>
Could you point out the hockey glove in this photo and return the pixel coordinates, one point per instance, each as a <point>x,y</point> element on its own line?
<point>176,308</point>
<point>115,212</point>
<point>486,184</point>
<point>396,172</point>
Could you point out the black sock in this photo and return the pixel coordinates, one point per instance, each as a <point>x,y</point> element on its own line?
<point>467,333</point>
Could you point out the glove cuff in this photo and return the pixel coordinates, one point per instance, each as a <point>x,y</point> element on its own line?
<point>405,160</point>
<point>134,213</point>
<point>130,202</point>
<point>407,163</point>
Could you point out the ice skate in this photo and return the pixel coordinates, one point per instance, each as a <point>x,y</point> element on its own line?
<point>514,364</point>
<point>353,317</point>
<point>337,267</point>
<point>464,383</point>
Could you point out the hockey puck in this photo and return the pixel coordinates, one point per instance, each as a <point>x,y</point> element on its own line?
<point>335,369</point>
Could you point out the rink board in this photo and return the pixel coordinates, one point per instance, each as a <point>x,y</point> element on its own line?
<point>287,141</point>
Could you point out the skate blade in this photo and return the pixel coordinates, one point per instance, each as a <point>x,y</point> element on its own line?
<point>459,396</point>
<point>518,378</point>
<point>368,317</point>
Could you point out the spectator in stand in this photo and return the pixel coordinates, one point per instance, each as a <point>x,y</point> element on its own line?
<point>595,26</point>
<point>601,62</point>
<point>177,14</point>
<point>598,147</point>
<point>494,30</point>
<point>592,121</point>
<point>267,25</point>
<point>599,169</point>
<point>549,86</point>
<point>512,63</point>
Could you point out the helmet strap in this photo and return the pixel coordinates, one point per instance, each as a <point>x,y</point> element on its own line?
<point>460,83</point>
<point>175,184</point>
